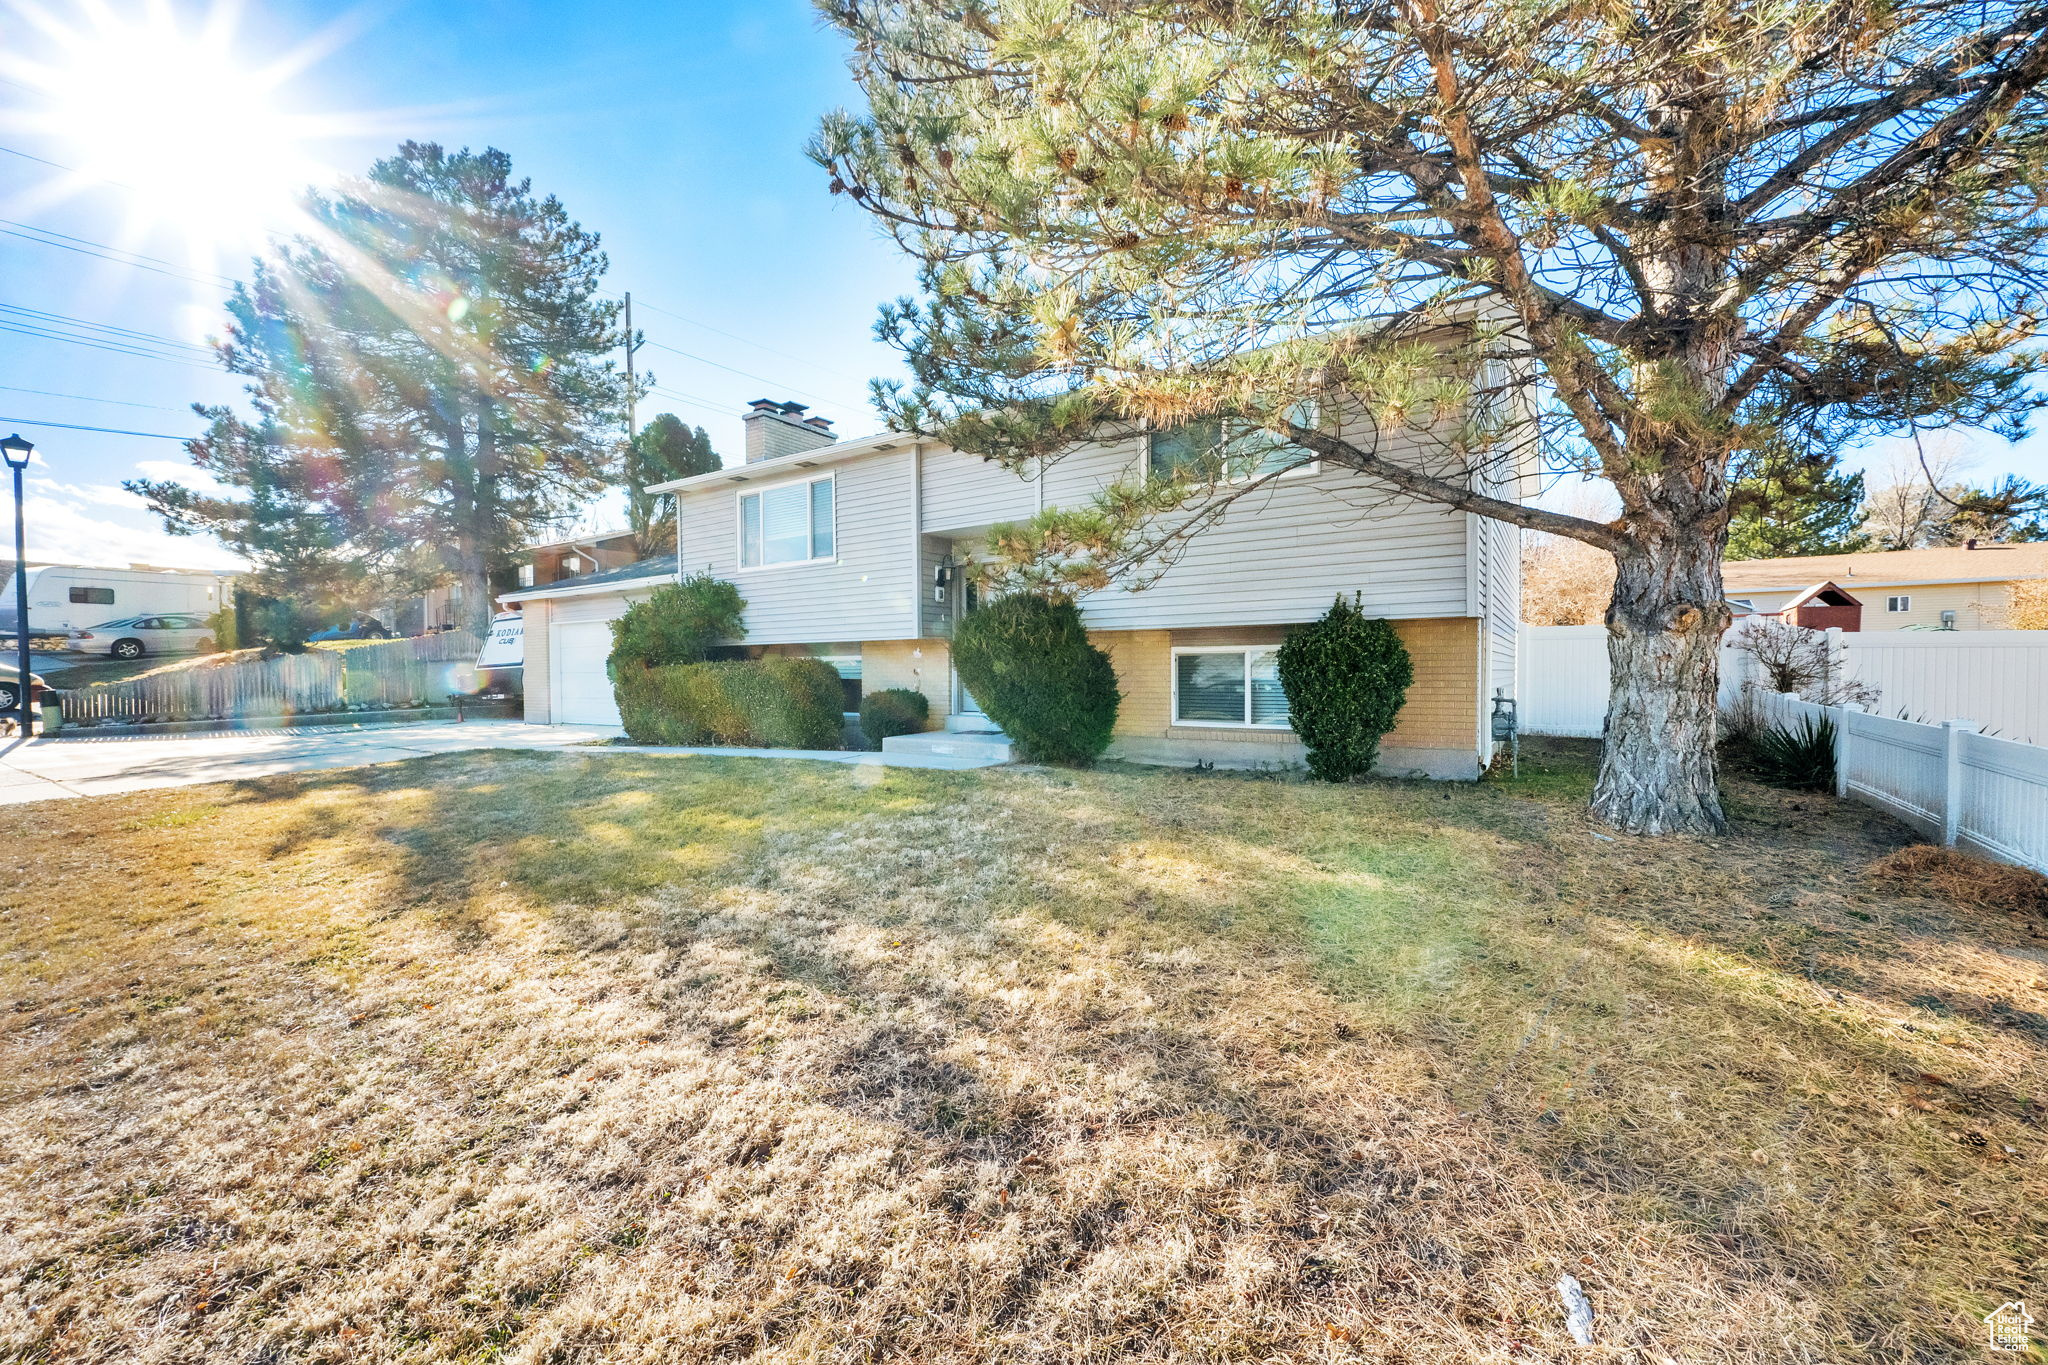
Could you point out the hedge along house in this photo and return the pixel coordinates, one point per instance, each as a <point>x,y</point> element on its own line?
<point>855,551</point>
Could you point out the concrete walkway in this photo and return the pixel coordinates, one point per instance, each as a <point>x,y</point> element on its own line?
<point>74,765</point>
<point>53,769</point>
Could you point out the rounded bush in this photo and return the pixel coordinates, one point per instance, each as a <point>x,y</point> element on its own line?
<point>893,711</point>
<point>677,624</point>
<point>1346,677</point>
<point>1028,662</point>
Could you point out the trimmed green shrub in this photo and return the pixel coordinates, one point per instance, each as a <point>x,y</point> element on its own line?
<point>1346,677</point>
<point>773,703</point>
<point>893,711</point>
<point>677,624</point>
<point>802,707</point>
<point>652,706</point>
<point>1028,662</point>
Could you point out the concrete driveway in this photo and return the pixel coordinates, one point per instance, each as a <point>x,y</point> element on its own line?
<point>52,769</point>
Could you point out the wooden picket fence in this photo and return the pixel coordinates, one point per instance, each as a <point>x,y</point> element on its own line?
<point>425,669</point>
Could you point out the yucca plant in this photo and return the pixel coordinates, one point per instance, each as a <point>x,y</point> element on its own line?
<point>1800,756</point>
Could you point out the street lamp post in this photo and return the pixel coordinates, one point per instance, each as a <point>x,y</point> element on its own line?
<point>17,452</point>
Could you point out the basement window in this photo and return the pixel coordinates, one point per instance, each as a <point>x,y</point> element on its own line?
<point>1239,687</point>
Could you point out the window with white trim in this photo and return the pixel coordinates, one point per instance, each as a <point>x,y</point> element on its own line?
<point>1898,604</point>
<point>1228,449</point>
<point>791,523</point>
<point>1229,686</point>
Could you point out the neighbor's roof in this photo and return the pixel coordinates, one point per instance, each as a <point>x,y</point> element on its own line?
<point>1890,568</point>
<point>645,570</point>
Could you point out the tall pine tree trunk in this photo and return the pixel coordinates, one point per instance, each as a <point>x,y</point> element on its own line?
<point>1664,627</point>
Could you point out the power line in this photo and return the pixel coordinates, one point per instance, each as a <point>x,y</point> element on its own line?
<point>88,398</point>
<point>99,344</point>
<point>684,398</point>
<point>749,341</point>
<point>108,246</point>
<point>111,431</point>
<point>125,332</point>
<point>744,374</point>
<point>26,156</point>
<point>176,272</point>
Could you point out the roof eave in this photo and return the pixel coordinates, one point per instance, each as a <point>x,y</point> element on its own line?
<point>587,589</point>
<point>837,452</point>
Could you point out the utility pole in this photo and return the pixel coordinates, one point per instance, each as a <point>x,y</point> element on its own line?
<point>632,428</point>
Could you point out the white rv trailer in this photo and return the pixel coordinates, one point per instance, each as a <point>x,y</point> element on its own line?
<point>64,597</point>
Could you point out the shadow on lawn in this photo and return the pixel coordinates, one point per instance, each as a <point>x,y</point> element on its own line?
<point>1660,1018</point>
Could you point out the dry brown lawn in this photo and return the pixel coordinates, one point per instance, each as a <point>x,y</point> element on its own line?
<point>584,1058</point>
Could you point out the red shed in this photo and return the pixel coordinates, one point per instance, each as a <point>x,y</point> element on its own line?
<point>1823,606</point>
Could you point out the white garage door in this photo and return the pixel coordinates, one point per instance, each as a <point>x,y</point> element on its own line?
<point>583,694</point>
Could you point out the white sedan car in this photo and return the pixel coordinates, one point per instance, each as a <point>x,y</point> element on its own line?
<point>134,636</point>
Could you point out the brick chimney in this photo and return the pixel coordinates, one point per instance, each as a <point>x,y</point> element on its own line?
<point>776,429</point>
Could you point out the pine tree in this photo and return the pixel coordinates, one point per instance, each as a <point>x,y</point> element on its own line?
<point>430,369</point>
<point>664,449</point>
<point>1796,507</point>
<point>1417,238</point>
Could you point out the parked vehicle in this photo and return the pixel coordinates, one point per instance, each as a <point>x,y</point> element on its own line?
<point>64,597</point>
<point>363,628</point>
<point>10,692</point>
<point>134,636</point>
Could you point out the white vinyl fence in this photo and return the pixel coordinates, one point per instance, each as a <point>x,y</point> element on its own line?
<point>1967,790</point>
<point>1997,678</point>
<point>1943,748</point>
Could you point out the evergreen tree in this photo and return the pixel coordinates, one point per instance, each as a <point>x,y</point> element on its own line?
<point>664,449</point>
<point>1796,507</point>
<point>1412,239</point>
<point>431,376</point>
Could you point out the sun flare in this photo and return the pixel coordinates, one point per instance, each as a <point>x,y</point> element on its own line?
<point>166,106</point>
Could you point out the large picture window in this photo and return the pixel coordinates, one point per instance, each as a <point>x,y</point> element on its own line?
<point>788,524</point>
<point>1227,449</point>
<point>1229,687</point>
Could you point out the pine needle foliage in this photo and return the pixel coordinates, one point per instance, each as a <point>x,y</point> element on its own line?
<point>1346,677</point>
<point>1027,660</point>
<point>1436,240</point>
<point>432,383</point>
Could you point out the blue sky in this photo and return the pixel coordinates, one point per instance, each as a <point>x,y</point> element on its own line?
<point>674,130</point>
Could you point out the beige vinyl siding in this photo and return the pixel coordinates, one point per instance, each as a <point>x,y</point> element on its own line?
<point>1280,554</point>
<point>864,593</point>
<point>965,491</point>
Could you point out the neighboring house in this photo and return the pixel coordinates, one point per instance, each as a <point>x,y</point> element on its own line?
<point>853,552</point>
<point>539,565</point>
<point>1965,587</point>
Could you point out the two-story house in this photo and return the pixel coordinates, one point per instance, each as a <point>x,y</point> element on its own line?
<point>852,551</point>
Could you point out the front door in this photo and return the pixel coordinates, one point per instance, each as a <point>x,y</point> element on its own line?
<point>964,704</point>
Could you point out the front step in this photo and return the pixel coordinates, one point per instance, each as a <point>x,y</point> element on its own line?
<point>992,748</point>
